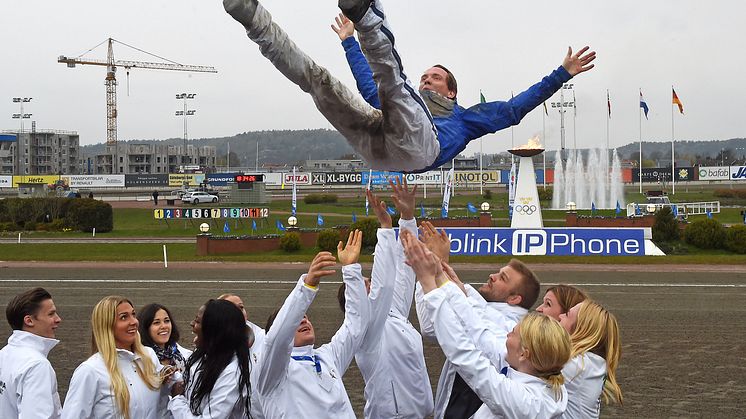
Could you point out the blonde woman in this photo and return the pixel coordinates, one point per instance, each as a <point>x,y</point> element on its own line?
<point>559,299</point>
<point>120,379</point>
<point>528,381</point>
<point>596,350</point>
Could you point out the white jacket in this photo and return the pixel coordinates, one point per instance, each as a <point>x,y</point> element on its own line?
<point>255,353</point>
<point>584,379</point>
<point>490,324</point>
<point>90,395</point>
<point>223,400</point>
<point>514,395</point>
<point>292,388</point>
<point>392,359</point>
<point>28,384</point>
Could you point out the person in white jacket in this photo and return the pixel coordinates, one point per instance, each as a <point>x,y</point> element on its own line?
<point>295,379</point>
<point>217,380</point>
<point>596,351</point>
<point>121,379</point>
<point>28,383</point>
<point>536,349</point>
<point>498,306</point>
<point>391,358</point>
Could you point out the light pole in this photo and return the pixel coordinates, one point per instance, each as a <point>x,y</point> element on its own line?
<point>561,105</point>
<point>21,115</point>
<point>722,155</point>
<point>186,112</point>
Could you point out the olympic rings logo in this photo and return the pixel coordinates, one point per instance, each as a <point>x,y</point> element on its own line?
<point>525,209</point>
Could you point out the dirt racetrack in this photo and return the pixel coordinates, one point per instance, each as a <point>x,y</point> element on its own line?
<point>683,333</point>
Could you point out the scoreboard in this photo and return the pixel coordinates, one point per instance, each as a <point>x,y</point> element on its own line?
<point>200,213</point>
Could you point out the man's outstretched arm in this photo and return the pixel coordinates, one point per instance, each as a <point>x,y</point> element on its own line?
<point>345,29</point>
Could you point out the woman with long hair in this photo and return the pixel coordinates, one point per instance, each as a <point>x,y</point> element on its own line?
<point>559,299</point>
<point>159,332</point>
<point>121,378</point>
<point>526,381</point>
<point>216,381</point>
<point>596,351</point>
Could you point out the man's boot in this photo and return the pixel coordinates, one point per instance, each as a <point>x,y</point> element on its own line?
<point>354,9</point>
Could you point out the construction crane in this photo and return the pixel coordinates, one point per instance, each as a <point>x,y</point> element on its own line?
<point>111,80</point>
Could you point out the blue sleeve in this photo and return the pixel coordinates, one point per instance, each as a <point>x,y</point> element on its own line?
<point>486,118</point>
<point>361,71</point>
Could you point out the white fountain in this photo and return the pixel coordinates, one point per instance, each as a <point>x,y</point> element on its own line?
<point>588,181</point>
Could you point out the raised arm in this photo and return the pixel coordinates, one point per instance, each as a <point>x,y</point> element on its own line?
<point>404,200</point>
<point>345,29</point>
<point>346,342</point>
<point>278,343</point>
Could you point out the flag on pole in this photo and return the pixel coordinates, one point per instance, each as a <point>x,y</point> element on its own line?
<point>709,214</point>
<point>253,225</point>
<point>593,207</point>
<point>643,105</point>
<point>226,229</point>
<point>608,102</point>
<point>319,220</point>
<point>618,208</point>
<point>367,188</point>
<point>471,207</point>
<point>447,193</point>
<point>574,102</point>
<point>481,98</point>
<point>675,210</point>
<point>677,101</point>
<point>422,210</point>
<point>511,190</point>
<point>354,218</point>
<point>279,225</point>
<point>294,206</point>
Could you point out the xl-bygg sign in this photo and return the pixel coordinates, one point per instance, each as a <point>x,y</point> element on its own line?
<point>337,178</point>
<point>547,242</point>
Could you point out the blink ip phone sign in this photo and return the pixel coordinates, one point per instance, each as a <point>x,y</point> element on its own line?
<point>547,242</point>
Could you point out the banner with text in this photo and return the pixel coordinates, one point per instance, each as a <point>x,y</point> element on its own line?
<point>6,181</point>
<point>131,181</point>
<point>433,177</point>
<point>379,178</point>
<point>472,177</point>
<point>337,178</point>
<point>738,173</point>
<point>189,179</point>
<point>95,181</point>
<point>36,179</point>
<point>221,179</point>
<point>301,178</point>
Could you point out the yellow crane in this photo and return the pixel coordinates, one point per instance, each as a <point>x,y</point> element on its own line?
<point>111,80</point>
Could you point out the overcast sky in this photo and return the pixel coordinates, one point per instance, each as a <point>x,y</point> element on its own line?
<point>497,46</point>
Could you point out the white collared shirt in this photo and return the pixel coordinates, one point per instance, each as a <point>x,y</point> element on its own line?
<point>292,388</point>
<point>515,395</point>
<point>28,384</point>
<point>391,358</point>
<point>584,379</point>
<point>90,394</point>
<point>222,402</point>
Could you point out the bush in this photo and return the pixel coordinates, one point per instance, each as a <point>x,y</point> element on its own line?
<point>87,214</point>
<point>290,242</point>
<point>666,227</point>
<point>29,225</point>
<point>735,239</point>
<point>487,195</point>
<point>320,199</point>
<point>8,226</point>
<point>705,234</point>
<point>369,227</point>
<point>730,193</point>
<point>328,240</point>
<point>57,225</point>
<point>545,195</point>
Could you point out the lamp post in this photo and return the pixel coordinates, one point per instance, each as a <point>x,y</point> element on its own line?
<point>561,105</point>
<point>21,115</point>
<point>292,223</point>
<point>186,112</point>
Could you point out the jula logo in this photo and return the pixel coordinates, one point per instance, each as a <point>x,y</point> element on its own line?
<point>740,174</point>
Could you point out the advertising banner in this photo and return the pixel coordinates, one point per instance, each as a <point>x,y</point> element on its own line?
<point>539,174</point>
<point>472,177</point>
<point>379,178</point>
<point>6,181</point>
<point>433,177</point>
<point>189,179</point>
<point>548,241</point>
<point>39,179</point>
<point>684,174</point>
<point>301,178</point>
<point>738,173</point>
<point>714,173</point>
<point>95,181</point>
<point>273,179</point>
<point>221,179</point>
<point>337,178</point>
<point>652,174</point>
<point>145,180</point>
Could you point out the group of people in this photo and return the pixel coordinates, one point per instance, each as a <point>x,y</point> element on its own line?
<point>501,359</point>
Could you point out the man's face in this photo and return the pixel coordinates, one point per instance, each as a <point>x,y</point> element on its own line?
<point>45,322</point>
<point>305,334</point>
<point>436,79</point>
<point>501,286</point>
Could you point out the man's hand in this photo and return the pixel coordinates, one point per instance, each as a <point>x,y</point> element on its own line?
<point>344,28</point>
<point>578,63</point>
<point>319,267</point>
<point>423,262</point>
<point>350,253</point>
<point>451,275</point>
<point>380,209</point>
<point>403,198</point>
<point>437,241</point>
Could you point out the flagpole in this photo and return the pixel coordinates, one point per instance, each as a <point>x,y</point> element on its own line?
<point>673,158</point>
<point>481,180</point>
<point>574,121</point>
<point>639,116</point>
<point>608,117</point>
<point>544,155</point>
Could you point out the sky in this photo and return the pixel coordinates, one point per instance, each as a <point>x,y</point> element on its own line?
<point>496,46</point>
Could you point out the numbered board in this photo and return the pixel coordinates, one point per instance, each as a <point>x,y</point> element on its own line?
<point>205,213</point>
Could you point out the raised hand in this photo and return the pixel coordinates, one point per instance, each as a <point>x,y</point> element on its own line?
<point>320,267</point>
<point>344,28</point>
<point>579,62</point>
<point>350,252</point>
<point>379,208</point>
<point>423,262</point>
<point>437,241</point>
<point>403,198</point>
<point>451,275</point>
